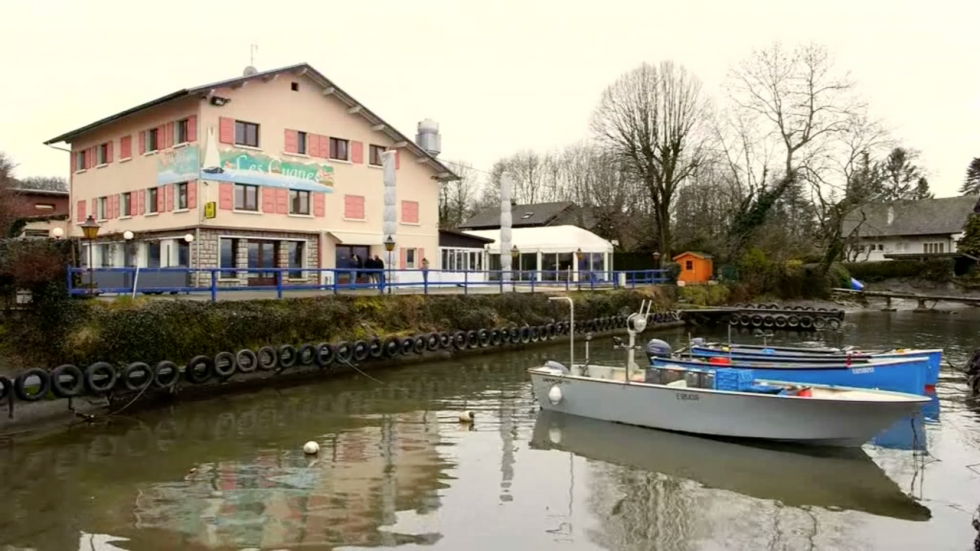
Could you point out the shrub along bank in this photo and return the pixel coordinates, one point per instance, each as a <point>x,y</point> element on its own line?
<point>82,332</point>
<point>940,270</point>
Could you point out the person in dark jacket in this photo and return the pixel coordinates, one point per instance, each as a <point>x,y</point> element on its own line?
<point>380,265</point>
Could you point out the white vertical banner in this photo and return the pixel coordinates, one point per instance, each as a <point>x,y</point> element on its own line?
<point>506,184</point>
<point>390,225</point>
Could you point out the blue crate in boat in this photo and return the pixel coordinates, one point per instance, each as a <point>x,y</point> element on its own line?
<point>733,379</point>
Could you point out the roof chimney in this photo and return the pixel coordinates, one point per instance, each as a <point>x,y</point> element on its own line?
<point>428,137</point>
<point>891,215</point>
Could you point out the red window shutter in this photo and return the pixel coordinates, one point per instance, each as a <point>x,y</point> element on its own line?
<point>398,159</point>
<point>111,145</point>
<point>226,196</point>
<point>141,198</point>
<point>115,205</point>
<point>291,140</point>
<point>268,200</point>
<point>142,142</point>
<point>192,128</point>
<point>170,134</point>
<point>192,194</point>
<point>357,152</point>
<point>134,203</point>
<point>80,211</point>
<point>323,150</point>
<point>162,137</point>
<point>403,258</point>
<point>226,130</point>
<point>73,161</point>
<point>319,204</point>
<point>170,197</point>
<point>125,147</point>
<point>282,201</point>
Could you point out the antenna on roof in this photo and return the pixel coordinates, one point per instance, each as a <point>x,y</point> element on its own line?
<point>251,70</point>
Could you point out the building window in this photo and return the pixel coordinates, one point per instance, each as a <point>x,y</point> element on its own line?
<point>102,208</point>
<point>228,254</point>
<point>688,264</point>
<point>37,233</point>
<point>410,260</point>
<point>374,154</point>
<point>43,206</point>
<point>152,254</point>
<point>80,161</point>
<point>125,205</point>
<point>181,196</point>
<point>934,248</point>
<point>301,143</point>
<point>294,258</point>
<point>299,202</point>
<point>152,195</point>
<point>294,86</point>
<point>183,254</point>
<point>104,253</point>
<point>338,149</point>
<point>180,131</point>
<point>246,197</point>
<point>152,140</point>
<point>103,154</point>
<point>247,134</point>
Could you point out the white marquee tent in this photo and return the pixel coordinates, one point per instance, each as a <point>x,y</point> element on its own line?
<point>553,249</point>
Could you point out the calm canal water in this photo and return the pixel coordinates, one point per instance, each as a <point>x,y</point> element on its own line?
<point>397,470</point>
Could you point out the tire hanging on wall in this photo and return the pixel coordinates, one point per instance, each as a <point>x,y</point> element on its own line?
<point>6,388</point>
<point>343,352</point>
<point>392,348</point>
<point>306,355</point>
<point>418,345</point>
<point>445,340</point>
<point>756,320</point>
<point>535,335</point>
<point>806,322</point>
<point>432,342</point>
<point>224,364</point>
<point>551,331</point>
<point>768,321</point>
<point>165,375</point>
<point>199,370</point>
<point>143,378</point>
<point>459,340</point>
<point>376,348</point>
<point>525,334</point>
<point>76,385</point>
<point>247,361</point>
<point>472,341</point>
<point>325,355</point>
<point>515,335</point>
<point>361,351</point>
<point>793,321</point>
<point>744,320</point>
<point>268,358</point>
<point>819,323</point>
<point>496,338</point>
<point>287,356</point>
<point>733,319</point>
<point>108,380</point>
<point>780,321</point>
<point>407,346</point>
<point>20,385</point>
<point>833,323</point>
<point>483,338</point>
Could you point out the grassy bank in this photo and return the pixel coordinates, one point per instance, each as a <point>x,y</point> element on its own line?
<point>82,332</point>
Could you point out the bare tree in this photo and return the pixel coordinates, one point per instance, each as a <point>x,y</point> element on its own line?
<point>457,198</point>
<point>653,120</point>
<point>44,183</point>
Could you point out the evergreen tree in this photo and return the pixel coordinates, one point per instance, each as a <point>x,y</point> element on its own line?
<point>971,185</point>
<point>921,190</point>
<point>970,242</point>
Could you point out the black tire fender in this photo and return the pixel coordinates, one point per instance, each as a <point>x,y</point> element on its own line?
<point>165,374</point>
<point>20,385</point>
<point>268,358</point>
<point>325,354</point>
<point>101,368</point>
<point>76,387</point>
<point>247,361</point>
<point>344,352</point>
<point>224,364</point>
<point>199,370</point>
<point>287,356</point>
<point>306,355</point>
<point>142,380</point>
<point>361,351</point>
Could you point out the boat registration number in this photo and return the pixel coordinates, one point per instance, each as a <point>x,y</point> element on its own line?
<point>862,370</point>
<point>555,380</point>
<point>687,396</point>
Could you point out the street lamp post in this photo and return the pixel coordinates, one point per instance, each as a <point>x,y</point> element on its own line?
<point>189,238</point>
<point>656,264</point>
<point>90,229</point>
<point>389,246</point>
<point>578,266</point>
<point>56,233</point>
<point>515,255</point>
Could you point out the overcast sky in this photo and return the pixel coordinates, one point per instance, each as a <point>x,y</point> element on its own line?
<point>498,76</point>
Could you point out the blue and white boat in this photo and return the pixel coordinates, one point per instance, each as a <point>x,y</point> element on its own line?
<point>905,375</point>
<point>799,355</point>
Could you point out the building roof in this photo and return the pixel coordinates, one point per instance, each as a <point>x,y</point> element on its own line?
<point>941,216</point>
<point>549,239</point>
<point>536,214</point>
<point>299,69</point>
<point>693,253</point>
<point>30,191</point>
<point>453,238</point>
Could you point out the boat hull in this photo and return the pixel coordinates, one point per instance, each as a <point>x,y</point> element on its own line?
<point>905,375</point>
<point>933,358</point>
<point>818,422</point>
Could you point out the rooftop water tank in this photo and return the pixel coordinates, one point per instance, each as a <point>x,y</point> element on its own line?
<point>428,137</point>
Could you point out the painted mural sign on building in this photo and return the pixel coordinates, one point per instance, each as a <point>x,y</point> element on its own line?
<point>176,165</point>
<point>247,167</point>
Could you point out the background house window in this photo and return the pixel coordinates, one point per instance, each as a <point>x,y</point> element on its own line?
<point>80,161</point>
<point>338,149</point>
<point>299,202</point>
<point>410,260</point>
<point>103,154</point>
<point>301,143</point>
<point>688,264</point>
<point>183,253</point>
<point>246,133</point>
<point>43,206</point>
<point>152,254</point>
<point>246,197</point>
<point>182,196</point>
<point>151,200</point>
<point>294,257</point>
<point>125,204</point>
<point>102,208</point>
<point>228,258</point>
<point>180,131</point>
<point>152,140</point>
<point>374,154</point>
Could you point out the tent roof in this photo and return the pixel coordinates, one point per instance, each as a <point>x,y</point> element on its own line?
<point>549,239</point>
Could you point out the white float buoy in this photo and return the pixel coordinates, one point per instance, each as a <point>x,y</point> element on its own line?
<point>554,395</point>
<point>311,448</point>
<point>466,416</point>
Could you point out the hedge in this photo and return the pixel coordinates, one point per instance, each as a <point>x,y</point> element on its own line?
<point>125,330</point>
<point>938,270</point>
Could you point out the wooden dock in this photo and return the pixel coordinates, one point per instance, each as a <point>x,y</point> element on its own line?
<point>923,299</point>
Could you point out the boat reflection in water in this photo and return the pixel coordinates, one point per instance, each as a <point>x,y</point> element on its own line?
<point>831,478</point>
<point>909,433</point>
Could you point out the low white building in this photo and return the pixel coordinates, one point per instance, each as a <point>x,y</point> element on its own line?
<point>896,229</point>
<point>552,253</point>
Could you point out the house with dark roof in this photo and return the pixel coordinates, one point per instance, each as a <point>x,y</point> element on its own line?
<point>907,229</point>
<point>562,213</point>
<point>273,169</point>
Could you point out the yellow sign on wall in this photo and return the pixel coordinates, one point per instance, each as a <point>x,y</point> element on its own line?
<point>210,210</point>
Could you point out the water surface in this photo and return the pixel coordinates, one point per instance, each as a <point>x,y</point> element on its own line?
<point>397,470</point>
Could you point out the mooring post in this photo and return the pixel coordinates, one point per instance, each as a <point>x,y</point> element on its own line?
<point>888,305</point>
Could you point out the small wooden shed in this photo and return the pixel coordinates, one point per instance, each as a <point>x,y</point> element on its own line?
<point>695,267</point>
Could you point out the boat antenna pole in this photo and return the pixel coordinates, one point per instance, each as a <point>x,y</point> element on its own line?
<point>571,332</point>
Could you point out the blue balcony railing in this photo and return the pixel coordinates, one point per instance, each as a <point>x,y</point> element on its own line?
<point>132,281</point>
